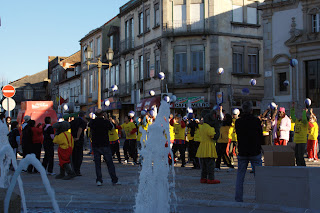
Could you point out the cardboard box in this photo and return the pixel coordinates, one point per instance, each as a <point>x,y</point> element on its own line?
<point>278,156</point>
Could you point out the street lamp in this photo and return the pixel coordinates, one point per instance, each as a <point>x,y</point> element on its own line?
<point>109,55</point>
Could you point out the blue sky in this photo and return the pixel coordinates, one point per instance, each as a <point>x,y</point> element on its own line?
<point>31,31</point>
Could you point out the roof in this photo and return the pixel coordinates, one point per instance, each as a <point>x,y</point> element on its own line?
<point>32,79</point>
<point>72,59</point>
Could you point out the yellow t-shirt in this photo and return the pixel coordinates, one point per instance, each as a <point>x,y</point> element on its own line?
<point>313,131</point>
<point>225,134</point>
<point>113,135</point>
<point>63,141</point>
<point>292,125</point>
<point>190,138</point>
<point>128,127</point>
<point>172,134</point>
<point>300,132</point>
<point>145,127</point>
<point>179,132</point>
<point>234,134</point>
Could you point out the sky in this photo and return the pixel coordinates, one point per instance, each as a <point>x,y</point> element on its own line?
<point>32,30</point>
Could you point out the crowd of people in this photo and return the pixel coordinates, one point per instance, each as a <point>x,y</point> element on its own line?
<point>210,138</point>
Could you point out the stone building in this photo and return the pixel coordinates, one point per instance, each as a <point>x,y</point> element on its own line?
<point>291,31</point>
<point>189,40</point>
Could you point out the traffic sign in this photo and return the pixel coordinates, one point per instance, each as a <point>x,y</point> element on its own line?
<point>8,104</point>
<point>8,91</point>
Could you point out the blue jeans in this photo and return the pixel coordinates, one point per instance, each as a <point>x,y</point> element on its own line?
<point>106,152</point>
<point>242,168</point>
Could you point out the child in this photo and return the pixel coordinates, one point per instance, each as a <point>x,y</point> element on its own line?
<point>207,152</point>
<point>225,137</point>
<point>300,136</point>
<point>65,141</point>
<point>312,145</point>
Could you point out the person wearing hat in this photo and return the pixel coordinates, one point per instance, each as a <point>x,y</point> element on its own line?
<point>130,144</point>
<point>281,128</point>
<point>26,140</point>
<point>180,138</point>
<point>77,130</point>
<point>101,146</point>
<point>66,144</point>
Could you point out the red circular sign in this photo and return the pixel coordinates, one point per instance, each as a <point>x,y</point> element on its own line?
<point>8,91</point>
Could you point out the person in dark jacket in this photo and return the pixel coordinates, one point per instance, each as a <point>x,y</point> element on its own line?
<point>14,137</point>
<point>267,118</point>
<point>249,133</point>
<point>101,146</point>
<point>48,135</point>
<point>37,140</point>
<point>26,140</point>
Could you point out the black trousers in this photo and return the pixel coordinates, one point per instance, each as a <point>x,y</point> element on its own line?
<point>115,149</point>
<point>207,168</point>
<point>77,157</point>
<point>182,150</point>
<point>130,146</point>
<point>221,151</point>
<point>47,161</point>
<point>35,149</point>
<point>193,148</point>
<point>299,154</point>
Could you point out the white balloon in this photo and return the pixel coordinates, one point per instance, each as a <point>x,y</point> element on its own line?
<point>107,103</point>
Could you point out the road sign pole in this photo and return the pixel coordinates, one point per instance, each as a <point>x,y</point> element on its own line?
<point>8,108</point>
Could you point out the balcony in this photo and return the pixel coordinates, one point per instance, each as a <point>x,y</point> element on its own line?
<point>186,27</point>
<point>186,79</point>
<point>126,45</point>
<point>125,89</point>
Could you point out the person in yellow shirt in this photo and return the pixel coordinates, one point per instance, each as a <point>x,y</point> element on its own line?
<point>232,147</point>
<point>225,137</point>
<point>114,138</point>
<point>207,152</point>
<point>180,138</point>
<point>66,144</point>
<point>300,135</point>
<point>313,131</point>
<point>171,130</point>
<point>130,144</point>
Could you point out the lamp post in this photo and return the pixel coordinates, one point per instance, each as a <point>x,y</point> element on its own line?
<point>109,55</point>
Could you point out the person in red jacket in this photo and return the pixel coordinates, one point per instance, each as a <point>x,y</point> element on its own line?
<point>37,140</point>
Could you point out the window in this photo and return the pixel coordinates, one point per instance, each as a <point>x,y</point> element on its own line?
<point>157,62</point>
<point>111,42</point>
<point>148,65</point>
<point>117,75</point>
<point>238,52</point>
<point>129,33</point>
<point>132,72</point>
<point>197,62</point>
<point>90,84</point>
<point>112,75</point>
<point>316,23</point>
<point>179,17</point>
<point>107,79</point>
<point>313,81</point>
<point>180,62</point>
<point>141,67</point>
<point>83,54</point>
<point>28,93</point>
<point>147,20</point>
<point>127,75</point>
<point>253,60</point>
<point>196,16</point>
<point>237,13</point>
<point>156,15</point>
<point>252,15</point>
<point>91,45</point>
<point>140,23</point>
<point>84,86</point>
<point>98,46</point>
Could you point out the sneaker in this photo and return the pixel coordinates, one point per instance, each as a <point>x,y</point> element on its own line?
<point>51,173</point>
<point>99,183</point>
<point>315,161</point>
<point>116,184</point>
<point>310,159</point>
<point>125,162</point>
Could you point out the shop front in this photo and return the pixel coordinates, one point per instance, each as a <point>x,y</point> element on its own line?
<point>197,103</point>
<point>148,103</point>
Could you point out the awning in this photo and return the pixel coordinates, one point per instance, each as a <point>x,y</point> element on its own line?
<point>148,103</point>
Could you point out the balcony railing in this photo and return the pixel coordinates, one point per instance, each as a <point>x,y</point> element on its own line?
<point>179,79</point>
<point>186,27</point>
<point>126,45</point>
<point>125,89</point>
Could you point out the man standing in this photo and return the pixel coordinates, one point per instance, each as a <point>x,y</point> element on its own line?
<point>77,130</point>
<point>100,145</point>
<point>249,135</point>
<point>281,128</point>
